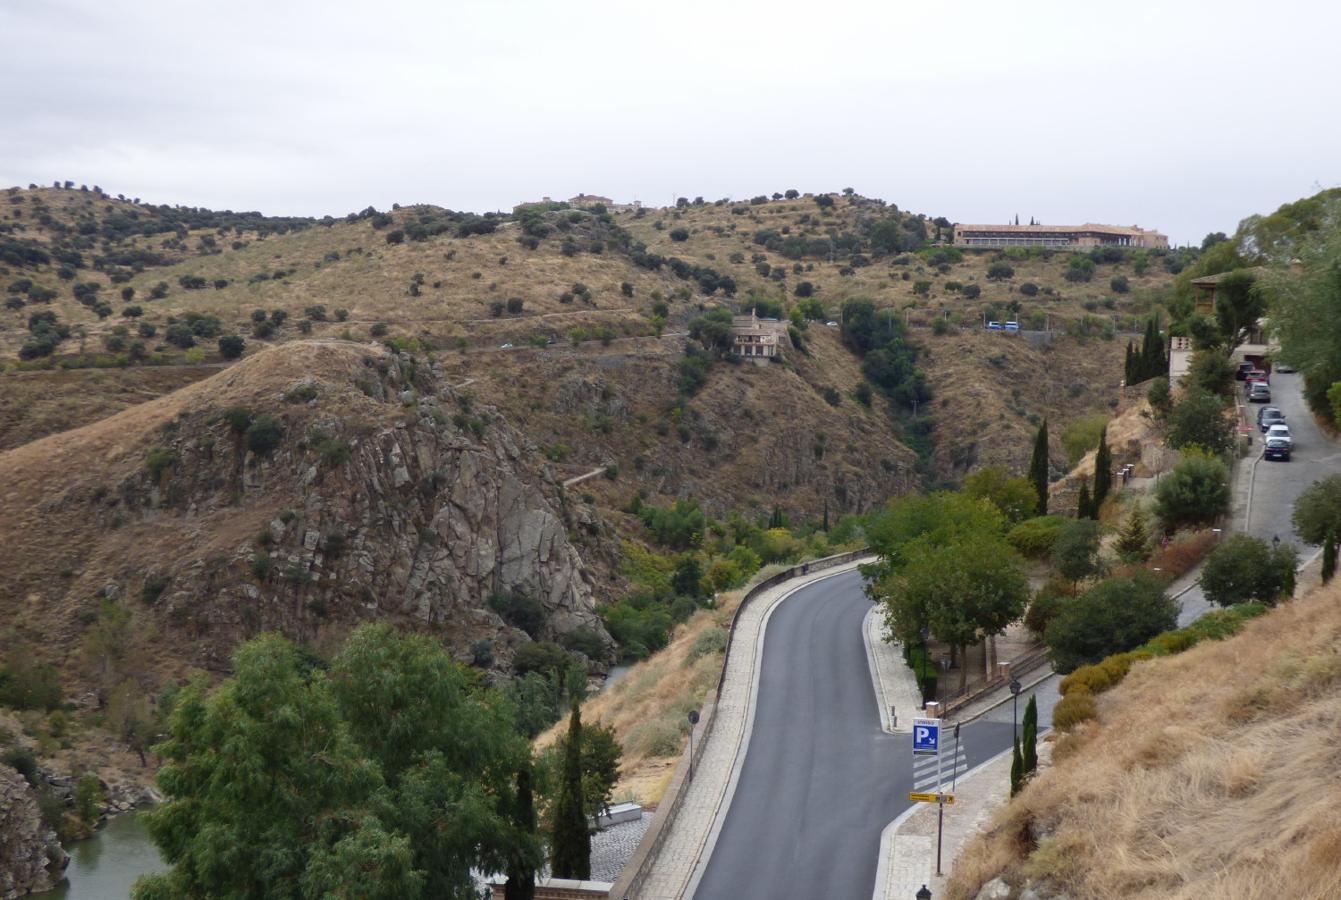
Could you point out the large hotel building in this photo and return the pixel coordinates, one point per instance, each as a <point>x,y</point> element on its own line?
<point>1059,237</point>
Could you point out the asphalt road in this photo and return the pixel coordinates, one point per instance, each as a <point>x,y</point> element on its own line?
<point>820,779</point>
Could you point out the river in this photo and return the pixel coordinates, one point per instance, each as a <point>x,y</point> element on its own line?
<point>105,866</point>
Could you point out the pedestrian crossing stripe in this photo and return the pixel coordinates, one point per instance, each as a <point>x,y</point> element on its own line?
<point>930,764</point>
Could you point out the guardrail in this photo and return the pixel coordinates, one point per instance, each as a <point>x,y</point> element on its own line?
<point>1018,666</point>
<point>639,866</point>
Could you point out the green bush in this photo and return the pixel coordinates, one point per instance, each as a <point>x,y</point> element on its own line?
<point>520,611</point>
<point>1198,419</point>
<point>1074,708</point>
<point>159,460</point>
<point>1195,492</point>
<point>1246,568</point>
<point>263,435</point>
<point>1034,538</point>
<point>543,657</point>
<point>1113,616</point>
<point>88,798</point>
<point>1082,435</point>
<point>24,685</point>
<point>711,640</point>
<point>585,641</point>
<point>1043,609</point>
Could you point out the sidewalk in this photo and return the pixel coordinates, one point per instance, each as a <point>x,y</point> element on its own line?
<point>908,845</point>
<point>694,829</point>
<point>896,688</point>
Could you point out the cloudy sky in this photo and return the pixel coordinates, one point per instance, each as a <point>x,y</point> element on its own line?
<point>1183,116</point>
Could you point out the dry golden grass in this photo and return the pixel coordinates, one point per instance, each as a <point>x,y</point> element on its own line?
<point>36,404</point>
<point>647,707</point>
<point>1214,773</point>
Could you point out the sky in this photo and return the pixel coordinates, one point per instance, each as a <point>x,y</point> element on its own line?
<point>1179,116</point>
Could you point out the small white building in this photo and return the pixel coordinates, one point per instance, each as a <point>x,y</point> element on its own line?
<point>756,338</point>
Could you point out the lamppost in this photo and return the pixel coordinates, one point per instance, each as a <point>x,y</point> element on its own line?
<point>924,894</point>
<point>922,686</point>
<point>693,720</point>
<point>1014,706</point>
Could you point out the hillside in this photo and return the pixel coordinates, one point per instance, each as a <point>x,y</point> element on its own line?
<point>1212,773</point>
<point>594,293</point>
<point>302,490</point>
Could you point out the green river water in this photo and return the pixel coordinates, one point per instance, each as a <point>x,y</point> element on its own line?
<point>106,865</point>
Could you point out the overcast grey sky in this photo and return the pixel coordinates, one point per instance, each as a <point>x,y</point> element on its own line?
<point>1182,116</point>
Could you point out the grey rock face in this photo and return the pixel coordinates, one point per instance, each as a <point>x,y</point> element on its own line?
<point>31,858</point>
<point>422,521</point>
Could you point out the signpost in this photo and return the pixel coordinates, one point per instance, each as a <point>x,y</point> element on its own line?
<point>927,742</point>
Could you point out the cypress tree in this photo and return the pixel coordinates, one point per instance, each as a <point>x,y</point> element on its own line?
<point>1129,375</point>
<point>1085,507</point>
<point>570,842</point>
<point>1029,752</point>
<point>1329,557</point>
<point>520,870</point>
<point>1103,472</point>
<point>1016,770</point>
<point>1038,468</point>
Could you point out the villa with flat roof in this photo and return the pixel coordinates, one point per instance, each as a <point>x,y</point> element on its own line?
<point>1058,237</point>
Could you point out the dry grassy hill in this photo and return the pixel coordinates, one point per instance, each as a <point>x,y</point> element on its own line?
<point>302,490</point>
<point>1213,773</point>
<point>345,279</point>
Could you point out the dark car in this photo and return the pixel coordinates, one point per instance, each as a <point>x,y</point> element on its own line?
<point>1268,416</point>
<point>1277,448</point>
<point>1243,370</point>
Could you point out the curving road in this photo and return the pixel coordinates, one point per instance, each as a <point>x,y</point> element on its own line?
<point>820,780</point>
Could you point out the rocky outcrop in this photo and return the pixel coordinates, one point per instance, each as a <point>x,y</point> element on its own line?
<point>390,497</point>
<point>31,858</point>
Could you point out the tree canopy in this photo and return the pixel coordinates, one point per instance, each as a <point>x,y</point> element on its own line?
<point>1111,617</point>
<point>388,775</point>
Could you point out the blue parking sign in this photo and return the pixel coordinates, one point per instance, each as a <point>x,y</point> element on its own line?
<point>926,737</point>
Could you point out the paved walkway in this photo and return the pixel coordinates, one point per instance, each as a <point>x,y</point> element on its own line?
<point>908,845</point>
<point>694,829</point>
<point>895,684</point>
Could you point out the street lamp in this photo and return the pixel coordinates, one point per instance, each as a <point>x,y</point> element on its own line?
<point>922,686</point>
<point>924,894</point>
<point>693,720</point>
<point>1014,706</point>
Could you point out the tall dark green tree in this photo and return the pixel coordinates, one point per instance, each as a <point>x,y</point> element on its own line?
<point>1016,769</point>
<point>521,869</point>
<point>1128,369</point>
<point>1085,506</point>
<point>1029,750</point>
<point>1103,472</point>
<point>1329,557</point>
<point>570,841</point>
<point>1038,468</point>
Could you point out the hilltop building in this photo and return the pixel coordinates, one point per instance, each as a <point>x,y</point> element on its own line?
<point>756,338</point>
<point>1058,237</point>
<point>590,200</point>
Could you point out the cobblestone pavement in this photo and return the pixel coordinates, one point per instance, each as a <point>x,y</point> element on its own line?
<point>612,848</point>
<point>691,833</point>
<point>895,683</point>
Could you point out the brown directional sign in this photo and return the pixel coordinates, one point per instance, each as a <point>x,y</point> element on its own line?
<point>931,798</point>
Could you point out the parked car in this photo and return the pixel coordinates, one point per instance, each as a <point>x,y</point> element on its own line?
<point>505,347</point>
<point>994,326</point>
<point>1243,370</point>
<point>1284,367</point>
<point>1012,326</point>
<point>1280,430</point>
<point>1259,392</point>
<point>1277,448</point>
<point>1268,416</point>
<point>1256,375</point>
